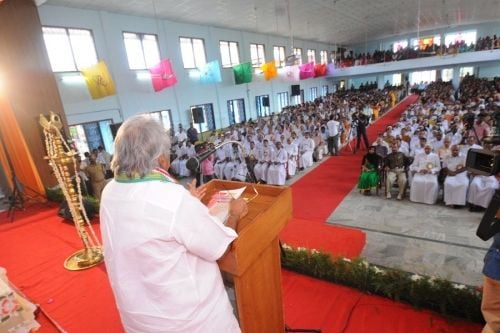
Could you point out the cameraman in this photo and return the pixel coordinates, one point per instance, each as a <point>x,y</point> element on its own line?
<point>490,305</point>
<point>360,121</point>
<point>478,129</point>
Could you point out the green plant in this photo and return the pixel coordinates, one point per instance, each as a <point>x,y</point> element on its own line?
<point>440,295</point>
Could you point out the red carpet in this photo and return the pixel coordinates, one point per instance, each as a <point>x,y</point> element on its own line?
<point>338,241</point>
<point>311,303</point>
<point>33,252</point>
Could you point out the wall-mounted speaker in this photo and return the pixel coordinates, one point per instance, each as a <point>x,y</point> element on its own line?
<point>295,89</point>
<point>265,101</point>
<point>198,117</point>
<point>114,129</point>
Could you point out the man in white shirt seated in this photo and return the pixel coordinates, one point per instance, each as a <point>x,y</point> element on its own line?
<point>276,174</point>
<point>456,182</point>
<point>293,152</point>
<point>306,149</point>
<point>264,158</point>
<point>424,184</point>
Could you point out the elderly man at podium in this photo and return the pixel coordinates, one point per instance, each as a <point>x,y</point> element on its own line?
<point>160,242</point>
<point>424,185</point>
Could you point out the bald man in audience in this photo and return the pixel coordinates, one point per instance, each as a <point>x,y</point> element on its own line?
<point>456,182</point>
<point>424,185</point>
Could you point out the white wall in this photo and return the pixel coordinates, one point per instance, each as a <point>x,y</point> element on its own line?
<point>136,96</point>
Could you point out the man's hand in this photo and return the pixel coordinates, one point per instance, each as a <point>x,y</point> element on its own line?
<point>238,208</point>
<point>196,192</point>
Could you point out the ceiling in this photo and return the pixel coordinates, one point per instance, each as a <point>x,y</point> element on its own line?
<point>342,22</point>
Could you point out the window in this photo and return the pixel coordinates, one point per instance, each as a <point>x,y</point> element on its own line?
<point>208,115</point>
<point>313,93</point>
<point>422,77</point>
<point>236,111</point>
<point>279,56</point>
<point>469,37</point>
<point>311,55</point>
<point>164,117</point>
<point>399,45</point>
<point>396,79</point>
<point>193,52</point>
<point>142,50</point>
<point>423,42</point>
<point>229,53</point>
<point>298,52</point>
<point>257,54</point>
<point>91,135</point>
<point>323,55</point>
<point>282,100</point>
<point>447,74</point>
<point>324,90</point>
<point>262,105</point>
<point>466,71</point>
<point>69,50</point>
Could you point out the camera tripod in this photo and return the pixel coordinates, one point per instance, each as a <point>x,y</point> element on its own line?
<point>17,197</point>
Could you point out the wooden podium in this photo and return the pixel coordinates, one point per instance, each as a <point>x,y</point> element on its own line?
<point>254,260</point>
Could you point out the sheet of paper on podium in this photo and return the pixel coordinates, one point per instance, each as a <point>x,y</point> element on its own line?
<point>218,205</point>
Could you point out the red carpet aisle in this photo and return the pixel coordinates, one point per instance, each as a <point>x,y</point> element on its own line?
<point>317,194</point>
<point>346,242</point>
<point>33,251</point>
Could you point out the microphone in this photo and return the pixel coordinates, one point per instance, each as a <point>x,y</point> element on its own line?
<point>193,163</point>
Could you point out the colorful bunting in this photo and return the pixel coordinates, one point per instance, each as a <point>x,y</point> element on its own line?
<point>269,70</point>
<point>243,73</point>
<point>307,71</point>
<point>99,81</point>
<point>291,73</point>
<point>210,72</point>
<point>162,75</point>
<point>319,70</point>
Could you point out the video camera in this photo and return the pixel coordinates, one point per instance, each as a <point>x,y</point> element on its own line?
<point>486,163</point>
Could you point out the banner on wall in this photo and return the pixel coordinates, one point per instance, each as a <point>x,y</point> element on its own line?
<point>162,75</point>
<point>210,72</point>
<point>99,80</point>
<point>269,70</point>
<point>243,73</point>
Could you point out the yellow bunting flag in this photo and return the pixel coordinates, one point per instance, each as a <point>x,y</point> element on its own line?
<point>99,80</point>
<point>269,70</point>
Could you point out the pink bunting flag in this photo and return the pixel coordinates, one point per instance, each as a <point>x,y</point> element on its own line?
<point>307,71</point>
<point>162,75</point>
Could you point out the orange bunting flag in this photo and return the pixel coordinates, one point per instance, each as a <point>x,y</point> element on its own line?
<point>99,80</point>
<point>269,70</point>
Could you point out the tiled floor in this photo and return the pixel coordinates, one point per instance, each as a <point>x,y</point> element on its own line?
<point>425,239</point>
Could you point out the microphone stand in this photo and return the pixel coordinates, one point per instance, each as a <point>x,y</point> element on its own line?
<point>249,175</point>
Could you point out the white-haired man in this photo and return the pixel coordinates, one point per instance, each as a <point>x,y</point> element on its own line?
<point>456,182</point>
<point>424,184</point>
<point>160,242</point>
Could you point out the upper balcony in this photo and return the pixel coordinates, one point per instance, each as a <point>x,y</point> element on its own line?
<point>434,62</point>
